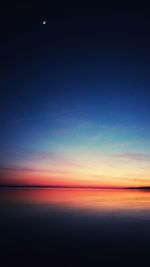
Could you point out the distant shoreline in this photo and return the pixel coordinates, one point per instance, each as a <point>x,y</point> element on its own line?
<point>75,187</point>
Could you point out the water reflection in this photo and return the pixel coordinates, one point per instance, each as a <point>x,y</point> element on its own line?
<point>81,199</point>
<point>58,227</point>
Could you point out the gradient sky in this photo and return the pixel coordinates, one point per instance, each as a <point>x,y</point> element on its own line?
<point>74,96</point>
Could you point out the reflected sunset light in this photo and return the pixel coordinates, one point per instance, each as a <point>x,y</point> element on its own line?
<point>103,200</point>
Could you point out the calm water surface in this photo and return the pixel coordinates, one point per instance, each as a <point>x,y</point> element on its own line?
<point>74,227</point>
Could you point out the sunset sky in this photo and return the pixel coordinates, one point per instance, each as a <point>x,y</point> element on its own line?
<point>75,97</point>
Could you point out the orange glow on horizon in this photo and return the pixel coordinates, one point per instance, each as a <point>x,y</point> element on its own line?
<point>46,179</point>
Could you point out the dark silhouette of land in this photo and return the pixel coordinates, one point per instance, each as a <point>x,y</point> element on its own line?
<point>139,188</point>
<point>78,187</point>
<point>49,186</point>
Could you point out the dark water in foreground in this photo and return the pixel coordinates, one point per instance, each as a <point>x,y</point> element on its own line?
<point>74,227</point>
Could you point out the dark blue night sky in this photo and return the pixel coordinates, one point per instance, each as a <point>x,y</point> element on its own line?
<point>74,96</point>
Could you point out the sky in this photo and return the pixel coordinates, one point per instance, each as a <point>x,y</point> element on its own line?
<point>74,96</point>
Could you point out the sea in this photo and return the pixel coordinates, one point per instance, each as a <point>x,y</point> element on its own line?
<point>74,227</point>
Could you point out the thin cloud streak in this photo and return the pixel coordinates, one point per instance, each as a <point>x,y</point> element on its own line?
<point>34,170</point>
<point>50,115</point>
<point>133,156</point>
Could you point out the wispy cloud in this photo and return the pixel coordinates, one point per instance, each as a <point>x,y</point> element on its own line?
<point>46,159</point>
<point>133,156</point>
<point>23,169</point>
<point>63,115</point>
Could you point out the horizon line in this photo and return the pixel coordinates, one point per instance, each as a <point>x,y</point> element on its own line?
<point>79,187</point>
